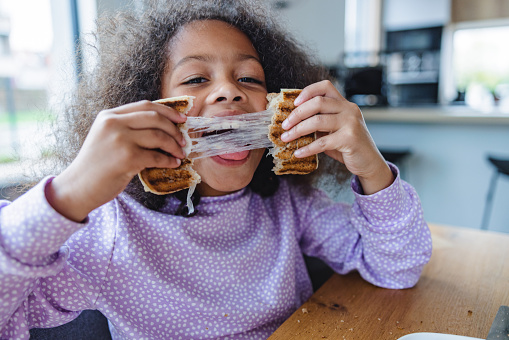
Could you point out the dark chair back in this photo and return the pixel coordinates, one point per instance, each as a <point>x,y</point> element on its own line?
<point>501,167</point>
<point>90,324</point>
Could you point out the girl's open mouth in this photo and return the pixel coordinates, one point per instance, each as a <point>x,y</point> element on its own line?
<point>235,156</point>
<point>231,156</point>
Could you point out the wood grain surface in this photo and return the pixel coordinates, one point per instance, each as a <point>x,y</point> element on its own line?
<point>460,291</point>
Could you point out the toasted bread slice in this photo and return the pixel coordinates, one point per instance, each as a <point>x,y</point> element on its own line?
<point>284,160</point>
<point>166,181</point>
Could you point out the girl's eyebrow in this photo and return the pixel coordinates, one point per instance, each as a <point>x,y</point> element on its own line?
<point>208,58</point>
<point>189,58</point>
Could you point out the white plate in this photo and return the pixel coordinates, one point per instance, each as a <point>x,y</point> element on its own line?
<point>436,336</point>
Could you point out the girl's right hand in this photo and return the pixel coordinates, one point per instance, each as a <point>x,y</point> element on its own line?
<point>122,141</point>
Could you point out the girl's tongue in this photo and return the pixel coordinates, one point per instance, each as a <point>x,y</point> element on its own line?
<point>235,156</point>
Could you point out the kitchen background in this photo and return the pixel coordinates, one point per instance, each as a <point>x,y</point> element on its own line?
<point>432,78</point>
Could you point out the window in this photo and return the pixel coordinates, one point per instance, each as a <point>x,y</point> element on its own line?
<point>26,39</point>
<point>37,71</point>
<point>362,33</point>
<point>481,67</point>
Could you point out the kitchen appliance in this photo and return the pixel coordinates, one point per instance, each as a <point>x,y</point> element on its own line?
<point>364,86</point>
<point>413,66</point>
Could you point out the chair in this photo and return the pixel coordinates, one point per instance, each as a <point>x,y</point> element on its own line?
<point>501,167</point>
<point>318,271</point>
<point>396,156</point>
<point>90,324</point>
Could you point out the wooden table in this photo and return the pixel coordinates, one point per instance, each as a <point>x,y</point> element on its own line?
<point>459,292</point>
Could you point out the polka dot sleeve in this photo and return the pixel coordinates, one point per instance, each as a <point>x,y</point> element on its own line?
<point>383,236</point>
<point>31,250</point>
<point>33,232</point>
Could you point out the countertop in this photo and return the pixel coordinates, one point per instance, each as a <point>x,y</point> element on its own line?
<point>433,115</point>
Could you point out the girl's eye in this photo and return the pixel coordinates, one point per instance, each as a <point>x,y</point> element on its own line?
<point>249,80</point>
<point>196,80</point>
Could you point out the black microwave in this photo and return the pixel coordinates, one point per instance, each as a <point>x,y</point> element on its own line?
<point>412,40</point>
<point>364,86</point>
<point>413,66</point>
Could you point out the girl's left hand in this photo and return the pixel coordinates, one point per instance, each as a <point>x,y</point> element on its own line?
<point>341,133</point>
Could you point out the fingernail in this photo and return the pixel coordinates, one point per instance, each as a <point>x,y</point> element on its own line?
<point>297,101</point>
<point>298,152</point>
<point>284,136</point>
<point>183,116</point>
<point>178,161</point>
<point>285,124</point>
<point>183,142</point>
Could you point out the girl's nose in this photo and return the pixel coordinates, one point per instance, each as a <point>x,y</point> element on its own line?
<point>227,92</point>
<point>225,99</point>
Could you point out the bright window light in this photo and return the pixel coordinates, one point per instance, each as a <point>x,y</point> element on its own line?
<point>481,65</point>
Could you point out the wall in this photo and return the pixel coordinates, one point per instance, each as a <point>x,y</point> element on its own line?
<point>319,24</point>
<point>115,5</point>
<point>449,169</point>
<point>473,10</point>
<point>408,14</point>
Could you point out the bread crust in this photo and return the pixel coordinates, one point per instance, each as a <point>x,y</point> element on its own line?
<point>161,181</point>
<point>285,162</point>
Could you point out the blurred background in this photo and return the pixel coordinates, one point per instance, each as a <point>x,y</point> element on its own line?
<point>432,79</point>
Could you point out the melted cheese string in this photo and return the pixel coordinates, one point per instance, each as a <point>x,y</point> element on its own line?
<point>245,132</point>
<point>189,202</point>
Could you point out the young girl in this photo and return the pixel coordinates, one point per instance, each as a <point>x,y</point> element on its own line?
<point>90,238</point>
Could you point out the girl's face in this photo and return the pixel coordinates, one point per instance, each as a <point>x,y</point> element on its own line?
<point>217,64</point>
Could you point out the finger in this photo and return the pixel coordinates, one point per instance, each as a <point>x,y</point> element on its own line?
<point>323,89</point>
<point>317,123</point>
<point>313,107</point>
<point>156,159</point>
<point>157,139</point>
<point>325,143</point>
<point>152,120</point>
<point>146,105</point>
<point>171,114</point>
